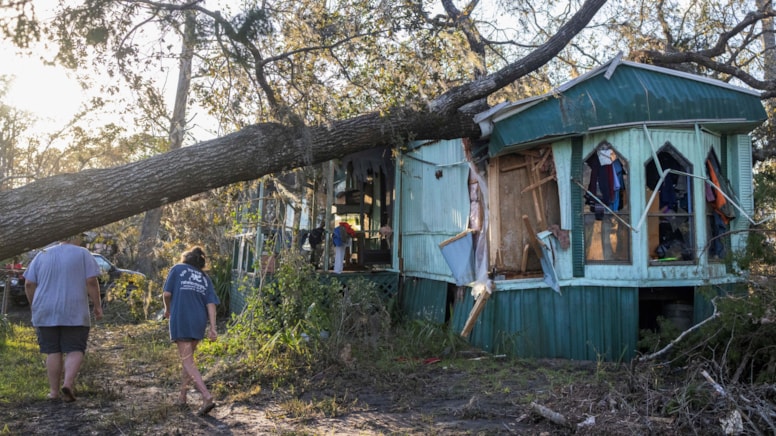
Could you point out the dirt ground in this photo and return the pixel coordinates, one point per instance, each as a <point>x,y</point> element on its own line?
<point>436,398</point>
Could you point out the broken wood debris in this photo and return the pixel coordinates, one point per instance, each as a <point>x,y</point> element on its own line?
<point>550,414</point>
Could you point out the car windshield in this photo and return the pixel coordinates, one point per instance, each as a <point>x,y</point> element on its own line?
<point>102,262</point>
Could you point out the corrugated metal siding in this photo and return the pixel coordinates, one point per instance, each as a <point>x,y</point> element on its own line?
<point>577,227</point>
<point>740,158</point>
<point>433,206</point>
<point>631,95</point>
<point>584,323</point>
<point>424,299</point>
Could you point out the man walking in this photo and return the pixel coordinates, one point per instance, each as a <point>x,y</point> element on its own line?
<point>60,282</point>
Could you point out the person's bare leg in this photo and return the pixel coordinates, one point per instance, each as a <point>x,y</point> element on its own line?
<point>185,380</point>
<point>73,362</point>
<point>186,353</point>
<point>54,372</point>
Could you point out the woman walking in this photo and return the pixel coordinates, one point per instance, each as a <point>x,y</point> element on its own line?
<point>190,303</point>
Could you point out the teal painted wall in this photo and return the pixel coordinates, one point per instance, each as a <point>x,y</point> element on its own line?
<point>424,299</point>
<point>584,323</point>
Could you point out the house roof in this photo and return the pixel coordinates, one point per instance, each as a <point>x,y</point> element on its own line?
<point>618,94</point>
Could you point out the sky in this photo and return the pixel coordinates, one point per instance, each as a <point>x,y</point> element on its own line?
<point>43,90</point>
<point>53,95</point>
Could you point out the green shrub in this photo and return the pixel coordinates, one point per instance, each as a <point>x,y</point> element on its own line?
<point>140,299</point>
<point>221,274</point>
<point>293,306</point>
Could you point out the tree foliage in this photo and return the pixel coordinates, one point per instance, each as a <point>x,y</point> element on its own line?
<point>259,148</point>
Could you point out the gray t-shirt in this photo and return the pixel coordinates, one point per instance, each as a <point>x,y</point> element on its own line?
<point>61,298</point>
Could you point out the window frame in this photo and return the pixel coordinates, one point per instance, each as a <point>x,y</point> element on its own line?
<point>670,246</point>
<point>594,207</point>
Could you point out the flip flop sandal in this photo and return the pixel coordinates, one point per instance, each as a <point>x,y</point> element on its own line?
<point>67,394</point>
<point>206,408</point>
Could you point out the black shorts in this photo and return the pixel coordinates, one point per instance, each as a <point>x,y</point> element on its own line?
<point>62,339</point>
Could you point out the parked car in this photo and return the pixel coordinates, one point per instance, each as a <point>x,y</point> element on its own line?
<point>112,275</point>
<point>109,277</point>
<point>12,275</point>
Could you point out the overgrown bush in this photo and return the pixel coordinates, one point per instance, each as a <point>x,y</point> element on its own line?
<point>140,300</point>
<point>741,341</point>
<point>300,319</point>
<point>359,314</point>
<point>284,319</point>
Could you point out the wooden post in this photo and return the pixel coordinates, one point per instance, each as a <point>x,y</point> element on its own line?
<point>475,312</point>
<point>535,243</point>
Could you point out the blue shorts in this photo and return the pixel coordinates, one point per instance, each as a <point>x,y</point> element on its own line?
<point>62,339</point>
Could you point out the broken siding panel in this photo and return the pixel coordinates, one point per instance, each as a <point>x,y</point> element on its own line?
<point>434,206</point>
<point>511,176</point>
<point>485,327</point>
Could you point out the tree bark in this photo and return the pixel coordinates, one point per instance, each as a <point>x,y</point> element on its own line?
<point>52,208</point>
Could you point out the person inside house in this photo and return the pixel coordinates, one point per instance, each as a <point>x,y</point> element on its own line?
<point>315,238</point>
<point>338,239</point>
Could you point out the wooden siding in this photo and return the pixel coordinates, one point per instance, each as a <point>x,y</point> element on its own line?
<point>520,184</point>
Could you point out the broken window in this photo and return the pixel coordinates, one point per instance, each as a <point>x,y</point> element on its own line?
<point>606,211</point>
<point>719,208</point>
<point>671,233</point>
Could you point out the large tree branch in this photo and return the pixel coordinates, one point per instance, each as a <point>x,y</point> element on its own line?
<point>52,208</point>
<point>481,88</point>
<point>706,58</point>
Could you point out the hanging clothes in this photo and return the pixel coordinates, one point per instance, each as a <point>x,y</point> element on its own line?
<point>619,184</point>
<point>720,203</point>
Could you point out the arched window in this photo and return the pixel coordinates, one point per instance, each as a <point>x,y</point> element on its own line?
<point>670,223</point>
<point>606,211</point>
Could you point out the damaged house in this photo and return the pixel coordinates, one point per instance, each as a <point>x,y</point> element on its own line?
<point>579,218</point>
<point>586,215</point>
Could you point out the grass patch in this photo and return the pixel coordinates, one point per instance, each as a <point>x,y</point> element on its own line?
<point>328,407</point>
<point>23,377</point>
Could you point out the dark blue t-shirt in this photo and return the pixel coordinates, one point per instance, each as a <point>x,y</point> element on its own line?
<point>191,291</point>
